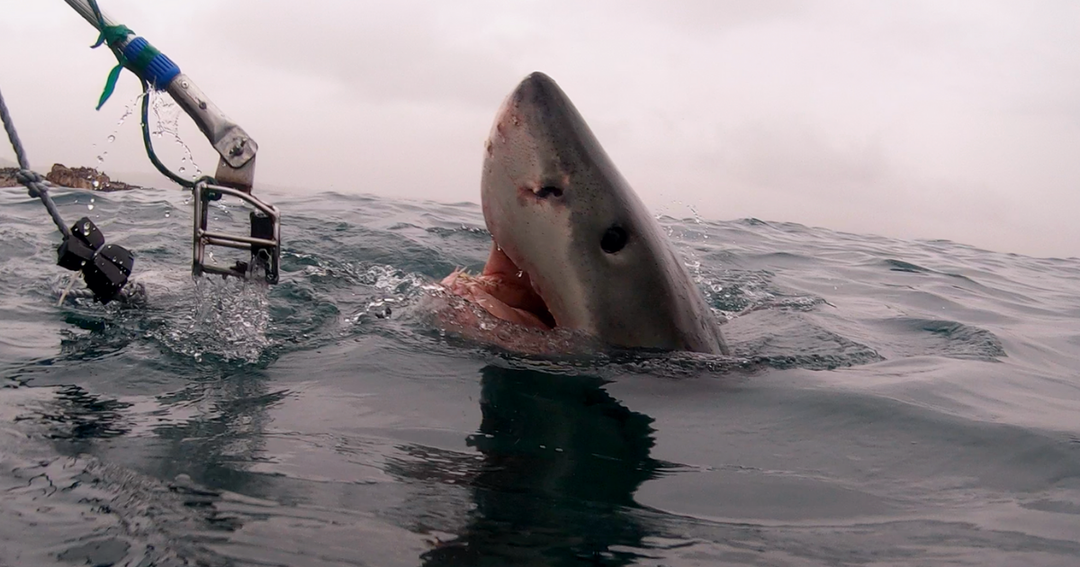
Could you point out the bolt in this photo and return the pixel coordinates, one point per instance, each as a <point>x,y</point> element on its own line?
<point>238,147</point>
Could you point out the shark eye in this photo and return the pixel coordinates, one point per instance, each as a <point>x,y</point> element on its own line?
<point>614,239</point>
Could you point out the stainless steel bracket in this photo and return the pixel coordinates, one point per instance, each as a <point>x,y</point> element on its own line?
<point>235,173</point>
<point>232,143</point>
<point>264,240</point>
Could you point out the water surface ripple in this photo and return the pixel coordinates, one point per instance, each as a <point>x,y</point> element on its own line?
<point>888,402</point>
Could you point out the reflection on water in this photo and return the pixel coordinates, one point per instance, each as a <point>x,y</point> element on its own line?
<point>558,462</point>
<point>561,462</point>
<point>226,433</point>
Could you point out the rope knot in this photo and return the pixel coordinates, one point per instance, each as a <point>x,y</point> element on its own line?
<point>26,177</point>
<point>33,181</point>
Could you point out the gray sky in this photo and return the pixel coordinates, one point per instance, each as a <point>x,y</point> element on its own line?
<point>915,119</point>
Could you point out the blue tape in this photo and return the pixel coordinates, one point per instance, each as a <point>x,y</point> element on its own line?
<point>159,71</point>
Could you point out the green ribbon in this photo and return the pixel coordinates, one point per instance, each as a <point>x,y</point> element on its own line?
<point>110,36</point>
<point>110,85</point>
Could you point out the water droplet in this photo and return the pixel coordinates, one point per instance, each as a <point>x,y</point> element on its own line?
<point>166,214</point>
<point>521,273</point>
<point>101,159</point>
<point>182,169</point>
<point>111,138</point>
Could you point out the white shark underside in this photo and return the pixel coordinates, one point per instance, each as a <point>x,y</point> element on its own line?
<point>574,247</point>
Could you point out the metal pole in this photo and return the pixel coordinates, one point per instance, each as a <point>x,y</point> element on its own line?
<point>237,150</point>
<point>84,10</point>
<point>235,173</point>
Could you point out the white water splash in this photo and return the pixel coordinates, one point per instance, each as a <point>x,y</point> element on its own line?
<point>228,319</point>
<point>167,114</point>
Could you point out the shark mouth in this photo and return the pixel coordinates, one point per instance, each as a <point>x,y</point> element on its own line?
<point>504,290</point>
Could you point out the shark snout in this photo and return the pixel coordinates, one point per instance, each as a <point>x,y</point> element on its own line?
<point>530,102</point>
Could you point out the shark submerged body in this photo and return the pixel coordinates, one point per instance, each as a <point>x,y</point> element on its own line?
<point>574,247</point>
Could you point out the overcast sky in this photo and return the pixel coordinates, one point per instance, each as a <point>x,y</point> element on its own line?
<point>915,119</point>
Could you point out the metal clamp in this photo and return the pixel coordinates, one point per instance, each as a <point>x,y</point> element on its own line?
<point>264,241</point>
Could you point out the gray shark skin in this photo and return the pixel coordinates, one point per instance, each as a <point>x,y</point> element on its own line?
<point>578,235</point>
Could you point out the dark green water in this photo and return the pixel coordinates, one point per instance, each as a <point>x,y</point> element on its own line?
<point>889,403</point>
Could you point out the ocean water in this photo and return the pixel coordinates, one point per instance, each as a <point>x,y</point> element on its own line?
<point>888,402</point>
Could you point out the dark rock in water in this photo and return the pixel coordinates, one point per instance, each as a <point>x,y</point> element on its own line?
<point>84,178</point>
<point>75,177</point>
<point>7,177</point>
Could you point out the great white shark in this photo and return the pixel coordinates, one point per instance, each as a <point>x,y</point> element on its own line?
<point>574,247</point>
